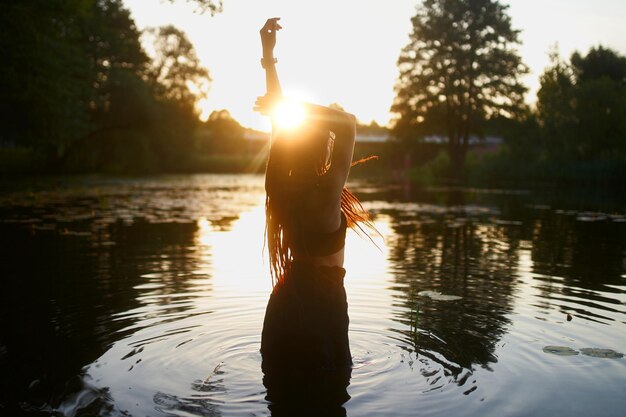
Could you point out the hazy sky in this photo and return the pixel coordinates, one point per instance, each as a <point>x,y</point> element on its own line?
<point>345,51</point>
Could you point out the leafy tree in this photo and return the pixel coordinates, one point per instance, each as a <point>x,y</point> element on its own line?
<point>211,6</point>
<point>598,63</point>
<point>45,79</point>
<point>336,106</point>
<point>555,101</point>
<point>581,106</point>
<point>600,103</point>
<point>120,97</point>
<point>77,84</point>
<point>225,134</point>
<point>177,81</point>
<point>175,71</point>
<point>459,68</point>
<point>372,128</point>
<point>69,69</point>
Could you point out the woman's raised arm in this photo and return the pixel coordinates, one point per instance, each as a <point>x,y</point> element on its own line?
<point>343,126</point>
<point>268,40</point>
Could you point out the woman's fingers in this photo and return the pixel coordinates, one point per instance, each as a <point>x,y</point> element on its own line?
<point>265,99</point>
<point>264,104</point>
<point>271,24</point>
<point>262,109</point>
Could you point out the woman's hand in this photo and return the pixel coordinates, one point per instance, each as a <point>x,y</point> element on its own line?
<point>268,36</point>
<point>266,104</point>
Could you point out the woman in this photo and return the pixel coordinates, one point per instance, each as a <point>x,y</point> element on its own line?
<point>307,212</point>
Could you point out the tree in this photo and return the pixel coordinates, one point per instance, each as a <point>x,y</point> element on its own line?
<point>600,103</point>
<point>598,63</point>
<point>69,67</point>
<point>45,79</point>
<point>211,6</point>
<point>120,97</point>
<point>225,134</point>
<point>555,101</point>
<point>581,106</point>
<point>76,84</point>
<point>175,72</point>
<point>459,68</point>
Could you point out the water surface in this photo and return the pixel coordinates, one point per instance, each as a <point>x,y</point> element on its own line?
<point>145,297</point>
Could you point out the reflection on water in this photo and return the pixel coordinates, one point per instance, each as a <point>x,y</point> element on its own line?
<point>146,296</point>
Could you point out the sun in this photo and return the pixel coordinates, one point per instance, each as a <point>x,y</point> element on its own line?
<point>289,114</point>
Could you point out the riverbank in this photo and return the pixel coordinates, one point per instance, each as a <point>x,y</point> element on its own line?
<point>430,167</point>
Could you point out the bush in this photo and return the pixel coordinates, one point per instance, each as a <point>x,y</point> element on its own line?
<point>122,151</point>
<point>22,160</point>
<point>434,169</point>
<point>506,167</point>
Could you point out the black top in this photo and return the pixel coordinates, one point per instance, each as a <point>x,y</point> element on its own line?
<point>321,244</point>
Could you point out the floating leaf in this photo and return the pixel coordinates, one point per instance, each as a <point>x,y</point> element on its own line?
<point>560,350</point>
<point>436,295</point>
<point>601,353</point>
<point>427,293</point>
<point>444,297</point>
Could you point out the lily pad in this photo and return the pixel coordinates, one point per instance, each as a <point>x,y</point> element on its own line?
<point>427,293</point>
<point>445,297</point>
<point>601,353</point>
<point>436,295</point>
<point>560,350</point>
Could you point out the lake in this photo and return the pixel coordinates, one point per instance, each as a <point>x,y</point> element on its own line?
<point>145,296</point>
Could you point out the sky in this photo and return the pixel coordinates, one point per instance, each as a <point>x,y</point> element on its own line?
<point>345,51</point>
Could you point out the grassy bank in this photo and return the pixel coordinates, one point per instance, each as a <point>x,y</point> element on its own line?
<point>23,161</point>
<point>427,166</point>
<point>503,167</point>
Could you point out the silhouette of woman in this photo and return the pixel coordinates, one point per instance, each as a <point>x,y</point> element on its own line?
<point>305,331</point>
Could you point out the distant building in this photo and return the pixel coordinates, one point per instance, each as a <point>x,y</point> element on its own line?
<point>473,140</point>
<point>258,136</point>
<point>372,137</point>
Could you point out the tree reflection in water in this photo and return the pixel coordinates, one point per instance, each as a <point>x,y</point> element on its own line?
<point>103,276</point>
<point>472,249</point>
<point>457,256</point>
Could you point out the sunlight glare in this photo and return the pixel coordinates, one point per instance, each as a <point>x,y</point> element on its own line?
<point>367,260</point>
<point>289,114</point>
<point>237,257</point>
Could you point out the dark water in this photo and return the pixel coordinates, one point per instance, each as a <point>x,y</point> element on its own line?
<point>145,297</point>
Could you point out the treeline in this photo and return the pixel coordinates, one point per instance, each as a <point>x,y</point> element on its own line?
<point>79,93</point>
<point>576,133</point>
<point>460,79</point>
